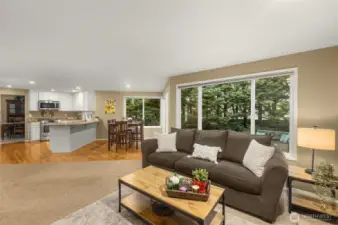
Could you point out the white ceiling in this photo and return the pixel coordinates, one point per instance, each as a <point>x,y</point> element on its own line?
<point>102,44</point>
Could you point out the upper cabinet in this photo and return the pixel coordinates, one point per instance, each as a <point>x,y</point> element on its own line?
<point>79,101</point>
<point>84,101</point>
<point>33,98</point>
<point>52,96</point>
<point>89,101</point>
<point>66,101</point>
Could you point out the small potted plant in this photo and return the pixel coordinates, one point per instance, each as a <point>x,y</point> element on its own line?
<point>174,181</point>
<point>325,185</point>
<point>200,178</point>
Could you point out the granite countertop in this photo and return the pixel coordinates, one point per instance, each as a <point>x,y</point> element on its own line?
<point>11,123</point>
<point>38,119</point>
<point>72,122</point>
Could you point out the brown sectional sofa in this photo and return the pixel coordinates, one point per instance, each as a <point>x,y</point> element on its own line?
<point>244,190</point>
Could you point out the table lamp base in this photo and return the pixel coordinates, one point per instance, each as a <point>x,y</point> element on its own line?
<point>309,171</point>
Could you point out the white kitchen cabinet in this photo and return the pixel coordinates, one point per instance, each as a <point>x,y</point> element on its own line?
<point>33,98</point>
<point>78,101</point>
<point>84,101</point>
<point>35,131</point>
<point>52,96</point>
<point>66,101</point>
<point>89,101</point>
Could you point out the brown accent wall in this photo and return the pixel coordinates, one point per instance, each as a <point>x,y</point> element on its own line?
<point>317,91</point>
<point>101,96</point>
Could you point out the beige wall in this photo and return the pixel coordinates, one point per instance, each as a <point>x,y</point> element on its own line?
<point>4,109</point>
<point>10,91</point>
<point>101,96</point>
<point>317,90</point>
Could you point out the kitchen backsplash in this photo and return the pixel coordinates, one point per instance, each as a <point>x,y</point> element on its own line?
<point>36,116</point>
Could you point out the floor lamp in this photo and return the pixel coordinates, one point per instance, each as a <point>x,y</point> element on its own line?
<point>316,139</point>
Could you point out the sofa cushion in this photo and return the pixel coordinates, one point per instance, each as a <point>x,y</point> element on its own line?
<point>214,138</point>
<point>235,176</point>
<point>257,156</point>
<point>166,142</point>
<point>184,139</point>
<point>165,159</point>
<point>238,143</point>
<point>186,165</point>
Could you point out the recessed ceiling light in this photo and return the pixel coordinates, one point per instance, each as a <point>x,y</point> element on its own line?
<point>78,88</point>
<point>31,82</point>
<point>9,86</point>
<point>127,85</point>
<point>52,89</point>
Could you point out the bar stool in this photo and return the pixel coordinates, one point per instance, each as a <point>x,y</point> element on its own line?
<point>111,133</point>
<point>137,134</point>
<point>122,134</point>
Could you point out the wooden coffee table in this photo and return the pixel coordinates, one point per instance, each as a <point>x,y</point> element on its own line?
<point>149,184</point>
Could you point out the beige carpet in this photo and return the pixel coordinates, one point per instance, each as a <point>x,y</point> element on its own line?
<point>105,212</point>
<point>43,194</point>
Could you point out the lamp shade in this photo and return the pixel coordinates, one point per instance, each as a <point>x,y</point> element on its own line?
<point>318,139</point>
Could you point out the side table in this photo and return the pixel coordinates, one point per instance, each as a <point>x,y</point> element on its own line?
<point>305,202</point>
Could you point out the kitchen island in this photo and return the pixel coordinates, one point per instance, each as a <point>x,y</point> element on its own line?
<point>67,136</point>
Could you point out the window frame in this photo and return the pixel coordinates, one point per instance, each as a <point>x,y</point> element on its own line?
<point>143,98</point>
<point>293,102</point>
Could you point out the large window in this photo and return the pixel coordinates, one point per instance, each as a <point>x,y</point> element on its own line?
<point>273,110</point>
<point>260,104</point>
<point>144,109</point>
<point>226,106</point>
<point>152,112</point>
<point>189,107</point>
<point>134,108</point>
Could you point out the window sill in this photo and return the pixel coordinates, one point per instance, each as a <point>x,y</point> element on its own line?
<point>152,127</point>
<point>290,157</point>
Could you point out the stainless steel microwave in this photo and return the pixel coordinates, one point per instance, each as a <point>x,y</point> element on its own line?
<point>49,105</point>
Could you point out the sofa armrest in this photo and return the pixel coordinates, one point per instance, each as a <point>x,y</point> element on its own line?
<point>273,182</point>
<point>147,147</point>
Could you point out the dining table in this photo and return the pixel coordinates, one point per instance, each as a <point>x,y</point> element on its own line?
<point>136,125</point>
<point>5,126</point>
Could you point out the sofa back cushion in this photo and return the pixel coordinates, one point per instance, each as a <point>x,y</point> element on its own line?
<point>238,143</point>
<point>213,138</point>
<point>184,139</point>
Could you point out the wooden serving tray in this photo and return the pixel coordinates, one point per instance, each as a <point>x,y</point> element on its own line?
<point>188,194</point>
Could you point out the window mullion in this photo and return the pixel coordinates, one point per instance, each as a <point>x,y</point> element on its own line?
<point>199,108</point>
<point>253,107</point>
<point>178,107</point>
<point>143,109</point>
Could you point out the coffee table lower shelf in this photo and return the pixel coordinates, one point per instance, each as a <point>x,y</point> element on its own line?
<point>140,205</point>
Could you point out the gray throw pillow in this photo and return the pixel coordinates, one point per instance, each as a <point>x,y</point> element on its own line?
<point>238,144</point>
<point>184,139</point>
<point>213,138</point>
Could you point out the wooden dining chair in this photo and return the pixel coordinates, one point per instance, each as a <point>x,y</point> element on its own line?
<point>137,134</point>
<point>111,133</point>
<point>122,134</point>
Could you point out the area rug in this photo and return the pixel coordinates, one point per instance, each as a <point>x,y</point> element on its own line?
<point>105,212</point>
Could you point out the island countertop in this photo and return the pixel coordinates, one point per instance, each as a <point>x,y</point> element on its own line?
<point>67,136</point>
<point>72,122</point>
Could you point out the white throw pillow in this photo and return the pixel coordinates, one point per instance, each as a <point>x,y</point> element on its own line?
<point>257,156</point>
<point>166,142</point>
<point>206,152</point>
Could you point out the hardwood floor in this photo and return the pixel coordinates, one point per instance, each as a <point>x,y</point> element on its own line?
<point>39,152</point>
